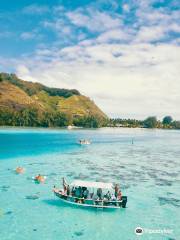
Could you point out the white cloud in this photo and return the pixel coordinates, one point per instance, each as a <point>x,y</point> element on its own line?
<point>63,31</point>
<point>27,35</point>
<point>156,33</point>
<point>175,27</point>
<point>115,34</point>
<point>5,34</point>
<point>93,20</point>
<point>35,9</point>
<point>143,80</point>
<point>148,34</point>
<point>130,67</point>
<point>126,7</point>
<point>33,34</point>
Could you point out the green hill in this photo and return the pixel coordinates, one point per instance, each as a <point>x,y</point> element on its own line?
<point>25,103</point>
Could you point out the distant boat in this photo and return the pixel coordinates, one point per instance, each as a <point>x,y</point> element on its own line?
<point>81,193</point>
<point>84,142</point>
<point>69,127</point>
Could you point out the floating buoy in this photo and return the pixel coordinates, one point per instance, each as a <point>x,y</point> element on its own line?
<point>20,170</point>
<point>39,179</point>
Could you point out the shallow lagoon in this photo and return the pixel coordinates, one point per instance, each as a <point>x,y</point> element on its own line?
<point>148,172</point>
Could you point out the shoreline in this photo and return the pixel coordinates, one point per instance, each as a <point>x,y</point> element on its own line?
<point>79,128</point>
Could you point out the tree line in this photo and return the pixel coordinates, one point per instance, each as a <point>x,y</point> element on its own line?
<point>31,117</point>
<point>32,88</point>
<point>150,122</point>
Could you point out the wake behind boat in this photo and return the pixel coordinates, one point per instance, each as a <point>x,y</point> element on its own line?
<point>91,194</point>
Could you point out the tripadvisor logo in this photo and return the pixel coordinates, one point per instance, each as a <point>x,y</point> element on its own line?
<point>138,231</point>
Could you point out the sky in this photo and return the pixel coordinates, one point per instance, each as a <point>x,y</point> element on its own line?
<point>123,54</point>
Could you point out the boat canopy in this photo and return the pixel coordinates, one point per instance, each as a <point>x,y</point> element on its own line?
<point>80,183</point>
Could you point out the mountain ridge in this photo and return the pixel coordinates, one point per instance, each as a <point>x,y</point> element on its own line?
<point>45,106</point>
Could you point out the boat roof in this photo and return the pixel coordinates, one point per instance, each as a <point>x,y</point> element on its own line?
<point>82,183</point>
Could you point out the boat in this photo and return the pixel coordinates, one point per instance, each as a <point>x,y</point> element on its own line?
<point>84,142</point>
<point>91,199</point>
<point>70,127</point>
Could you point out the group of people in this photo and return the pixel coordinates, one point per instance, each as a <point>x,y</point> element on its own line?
<point>83,192</point>
<point>117,195</point>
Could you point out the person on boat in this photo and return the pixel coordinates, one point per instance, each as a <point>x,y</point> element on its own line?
<point>73,191</point>
<point>86,193</point>
<point>84,188</point>
<point>91,195</point>
<point>116,190</point>
<point>64,185</point>
<point>65,190</point>
<point>64,181</point>
<point>119,196</point>
<point>68,190</point>
<point>108,195</point>
<point>78,192</point>
<point>113,197</point>
<point>99,193</point>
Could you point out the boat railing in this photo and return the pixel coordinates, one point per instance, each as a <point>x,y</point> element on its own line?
<point>87,199</point>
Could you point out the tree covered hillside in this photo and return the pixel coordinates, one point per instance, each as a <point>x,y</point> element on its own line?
<point>25,103</point>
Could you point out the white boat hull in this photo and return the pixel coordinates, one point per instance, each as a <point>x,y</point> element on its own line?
<point>60,196</point>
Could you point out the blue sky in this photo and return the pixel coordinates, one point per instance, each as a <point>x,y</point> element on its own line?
<point>125,55</point>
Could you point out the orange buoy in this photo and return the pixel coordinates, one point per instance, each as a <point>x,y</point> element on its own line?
<point>40,179</point>
<point>20,170</point>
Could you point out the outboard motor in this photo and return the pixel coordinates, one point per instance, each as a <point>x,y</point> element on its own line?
<point>124,201</point>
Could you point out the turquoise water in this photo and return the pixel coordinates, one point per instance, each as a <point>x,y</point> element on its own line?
<point>147,172</point>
